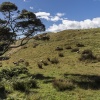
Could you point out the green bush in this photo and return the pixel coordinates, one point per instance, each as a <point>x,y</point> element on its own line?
<point>68,47</point>
<point>54,61</point>
<point>87,55</point>
<point>20,85</point>
<point>62,85</point>
<point>61,55</point>
<point>80,45</point>
<point>75,50</point>
<point>24,85</point>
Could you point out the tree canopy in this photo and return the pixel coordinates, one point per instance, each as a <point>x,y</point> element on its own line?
<point>16,23</point>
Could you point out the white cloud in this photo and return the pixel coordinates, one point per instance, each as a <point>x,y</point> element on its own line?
<point>26,0</point>
<point>48,17</point>
<point>66,23</point>
<point>43,15</point>
<point>31,7</point>
<point>60,14</point>
<point>70,24</point>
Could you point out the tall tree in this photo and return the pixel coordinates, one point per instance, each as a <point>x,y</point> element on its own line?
<point>16,23</point>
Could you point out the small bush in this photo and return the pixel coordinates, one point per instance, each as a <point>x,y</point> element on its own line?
<point>24,85</point>
<point>20,85</point>
<point>48,59</point>
<point>87,55</point>
<point>32,83</point>
<point>68,47</point>
<point>45,63</point>
<point>54,61</point>
<point>24,47</point>
<point>58,48</point>
<point>62,85</point>
<point>27,63</point>
<point>75,50</point>
<point>40,65</point>
<point>98,58</point>
<point>79,45</point>
<point>61,55</point>
<point>35,45</point>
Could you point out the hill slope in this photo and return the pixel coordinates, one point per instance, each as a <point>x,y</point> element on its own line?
<point>69,66</point>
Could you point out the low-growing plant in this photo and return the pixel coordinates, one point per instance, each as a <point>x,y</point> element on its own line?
<point>45,63</point>
<point>62,85</point>
<point>75,50</point>
<point>40,65</point>
<point>68,47</point>
<point>24,47</point>
<point>35,45</point>
<point>27,63</point>
<point>87,55</point>
<point>80,45</point>
<point>20,85</point>
<point>48,58</point>
<point>58,48</point>
<point>60,54</point>
<point>54,61</point>
<point>24,85</point>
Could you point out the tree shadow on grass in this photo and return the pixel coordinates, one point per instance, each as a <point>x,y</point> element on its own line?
<point>46,79</point>
<point>85,81</point>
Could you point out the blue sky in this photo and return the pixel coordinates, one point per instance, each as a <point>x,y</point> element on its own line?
<point>58,15</point>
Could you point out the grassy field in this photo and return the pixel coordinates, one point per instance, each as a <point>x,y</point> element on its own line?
<point>83,76</point>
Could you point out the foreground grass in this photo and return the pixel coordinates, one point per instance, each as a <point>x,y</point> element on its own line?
<point>69,66</point>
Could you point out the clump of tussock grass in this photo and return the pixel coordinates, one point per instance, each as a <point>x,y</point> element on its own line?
<point>62,85</point>
<point>58,48</point>
<point>68,47</point>
<point>24,85</point>
<point>80,45</point>
<point>60,54</point>
<point>87,55</point>
<point>75,50</point>
<point>54,61</point>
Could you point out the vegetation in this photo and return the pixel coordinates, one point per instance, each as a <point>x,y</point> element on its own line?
<point>81,76</point>
<point>17,24</point>
<point>67,65</point>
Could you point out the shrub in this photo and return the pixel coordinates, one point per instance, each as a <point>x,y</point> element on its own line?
<point>87,55</point>
<point>35,45</point>
<point>48,59</point>
<point>20,85</point>
<point>24,47</point>
<point>79,45</point>
<point>54,61</point>
<point>62,85</point>
<point>32,83</point>
<point>45,63</point>
<point>26,63</point>
<point>68,47</point>
<point>75,50</point>
<point>40,65</point>
<point>58,48</point>
<point>61,55</point>
<point>24,85</point>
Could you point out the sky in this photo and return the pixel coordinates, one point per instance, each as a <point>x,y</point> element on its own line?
<point>59,15</point>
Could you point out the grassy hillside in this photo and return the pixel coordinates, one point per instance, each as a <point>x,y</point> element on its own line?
<point>84,75</point>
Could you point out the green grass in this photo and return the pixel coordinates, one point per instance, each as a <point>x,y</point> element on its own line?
<point>69,67</point>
